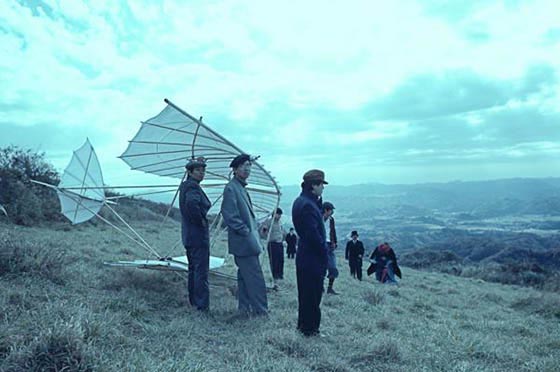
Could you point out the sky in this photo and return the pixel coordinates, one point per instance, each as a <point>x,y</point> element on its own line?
<point>368,91</point>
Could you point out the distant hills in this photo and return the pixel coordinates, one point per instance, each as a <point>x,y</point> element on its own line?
<point>499,221</point>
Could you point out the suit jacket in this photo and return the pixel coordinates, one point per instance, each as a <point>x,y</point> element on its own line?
<point>237,210</point>
<point>354,250</point>
<point>194,205</point>
<point>291,239</point>
<point>307,217</point>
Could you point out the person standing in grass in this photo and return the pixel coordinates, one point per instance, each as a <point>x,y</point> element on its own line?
<point>194,206</point>
<point>354,254</point>
<point>312,253</point>
<point>291,240</point>
<point>243,240</point>
<point>275,245</point>
<point>330,229</point>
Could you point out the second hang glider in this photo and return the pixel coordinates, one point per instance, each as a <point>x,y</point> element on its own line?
<point>165,143</point>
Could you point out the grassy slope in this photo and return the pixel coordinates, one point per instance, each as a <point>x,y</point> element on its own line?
<point>100,318</point>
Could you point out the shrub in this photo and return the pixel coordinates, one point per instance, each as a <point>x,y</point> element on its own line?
<point>27,203</point>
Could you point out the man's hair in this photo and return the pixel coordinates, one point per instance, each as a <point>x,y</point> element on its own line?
<point>308,185</point>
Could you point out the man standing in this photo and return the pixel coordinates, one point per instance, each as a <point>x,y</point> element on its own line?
<point>354,255</point>
<point>275,244</point>
<point>332,271</point>
<point>194,206</point>
<point>311,257</point>
<point>291,240</point>
<point>243,239</point>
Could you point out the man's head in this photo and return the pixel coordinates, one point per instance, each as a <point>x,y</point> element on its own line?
<point>196,168</point>
<point>314,181</point>
<point>328,209</point>
<point>241,166</point>
<point>354,235</point>
<point>278,214</point>
<point>291,229</point>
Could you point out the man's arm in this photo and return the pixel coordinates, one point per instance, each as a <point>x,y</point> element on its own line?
<point>230,212</point>
<point>333,229</point>
<point>193,199</point>
<point>312,229</point>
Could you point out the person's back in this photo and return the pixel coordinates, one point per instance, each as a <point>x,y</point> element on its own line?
<point>307,220</point>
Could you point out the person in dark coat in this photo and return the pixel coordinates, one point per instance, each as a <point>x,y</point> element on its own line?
<point>312,253</point>
<point>194,206</point>
<point>354,254</point>
<point>291,241</point>
<point>384,264</point>
<point>243,240</point>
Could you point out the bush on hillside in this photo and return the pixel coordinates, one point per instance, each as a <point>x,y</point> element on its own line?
<point>27,203</point>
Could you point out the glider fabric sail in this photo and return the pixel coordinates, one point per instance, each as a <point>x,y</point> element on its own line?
<point>80,190</point>
<point>166,142</point>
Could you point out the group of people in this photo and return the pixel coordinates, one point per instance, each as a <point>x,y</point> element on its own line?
<point>315,258</point>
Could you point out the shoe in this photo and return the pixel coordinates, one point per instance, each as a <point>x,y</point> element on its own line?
<point>331,291</point>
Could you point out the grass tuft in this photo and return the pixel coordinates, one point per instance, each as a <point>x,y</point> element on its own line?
<point>59,350</point>
<point>20,256</point>
<point>382,353</point>
<point>374,297</point>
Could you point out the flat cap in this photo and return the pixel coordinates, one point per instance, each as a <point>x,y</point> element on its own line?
<point>238,160</point>
<point>315,175</point>
<point>196,163</point>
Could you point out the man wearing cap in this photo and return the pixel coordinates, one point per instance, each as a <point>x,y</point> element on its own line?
<point>312,253</point>
<point>243,240</point>
<point>354,254</point>
<point>332,271</point>
<point>194,206</point>
<point>275,244</point>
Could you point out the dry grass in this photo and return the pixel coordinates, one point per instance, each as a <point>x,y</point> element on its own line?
<point>100,318</point>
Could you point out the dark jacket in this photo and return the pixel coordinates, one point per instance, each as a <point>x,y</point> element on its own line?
<point>291,240</point>
<point>354,250</point>
<point>332,233</point>
<point>307,218</point>
<point>381,258</point>
<point>194,205</point>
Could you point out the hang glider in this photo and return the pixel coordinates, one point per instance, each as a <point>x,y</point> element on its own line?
<point>162,146</point>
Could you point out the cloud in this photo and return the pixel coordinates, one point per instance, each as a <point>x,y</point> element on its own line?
<point>457,92</point>
<point>380,84</point>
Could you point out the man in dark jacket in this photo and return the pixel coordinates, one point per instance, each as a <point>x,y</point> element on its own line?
<point>291,241</point>
<point>354,254</point>
<point>311,257</point>
<point>194,206</point>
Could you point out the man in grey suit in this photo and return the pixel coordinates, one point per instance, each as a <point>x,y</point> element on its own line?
<point>243,239</point>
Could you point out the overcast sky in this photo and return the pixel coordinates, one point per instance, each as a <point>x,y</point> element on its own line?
<point>372,91</point>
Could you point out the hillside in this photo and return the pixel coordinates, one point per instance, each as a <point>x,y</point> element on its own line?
<point>62,307</point>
